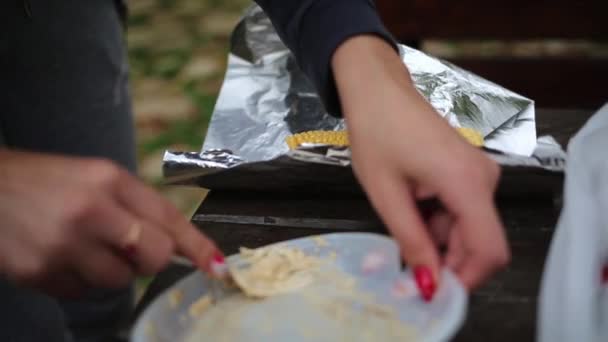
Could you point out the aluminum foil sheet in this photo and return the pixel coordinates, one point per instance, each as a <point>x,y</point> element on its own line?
<point>265,97</point>
<point>326,169</point>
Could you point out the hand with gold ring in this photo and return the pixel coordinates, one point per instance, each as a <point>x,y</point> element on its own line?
<point>73,223</point>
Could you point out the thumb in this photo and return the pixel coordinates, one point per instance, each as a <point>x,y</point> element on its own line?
<point>394,201</point>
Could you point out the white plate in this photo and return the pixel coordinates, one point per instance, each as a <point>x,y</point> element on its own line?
<point>166,320</point>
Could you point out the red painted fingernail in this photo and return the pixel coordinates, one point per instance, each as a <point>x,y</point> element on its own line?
<point>605,275</point>
<point>218,265</point>
<point>218,257</point>
<point>425,282</point>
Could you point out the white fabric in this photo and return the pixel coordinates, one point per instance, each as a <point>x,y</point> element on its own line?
<point>573,302</point>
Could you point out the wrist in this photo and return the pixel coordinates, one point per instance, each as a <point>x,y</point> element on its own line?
<point>369,58</point>
<point>368,73</point>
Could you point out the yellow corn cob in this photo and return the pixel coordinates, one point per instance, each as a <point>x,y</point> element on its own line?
<point>340,138</point>
<point>335,138</point>
<point>473,136</point>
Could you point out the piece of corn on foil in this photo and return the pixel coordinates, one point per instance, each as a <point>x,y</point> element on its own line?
<point>266,105</point>
<point>340,138</point>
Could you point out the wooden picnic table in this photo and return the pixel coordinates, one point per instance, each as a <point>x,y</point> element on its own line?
<point>503,310</point>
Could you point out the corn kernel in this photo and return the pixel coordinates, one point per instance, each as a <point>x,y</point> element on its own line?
<point>471,135</point>
<point>336,138</point>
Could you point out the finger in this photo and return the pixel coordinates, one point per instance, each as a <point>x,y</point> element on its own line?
<point>392,199</point>
<point>440,225</point>
<point>153,251</point>
<point>99,266</point>
<point>483,242</point>
<point>423,192</point>
<point>131,238</point>
<point>456,253</point>
<point>473,272</point>
<point>149,205</point>
<point>472,205</point>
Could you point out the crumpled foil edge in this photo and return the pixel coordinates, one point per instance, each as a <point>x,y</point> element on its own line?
<point>320,164</point>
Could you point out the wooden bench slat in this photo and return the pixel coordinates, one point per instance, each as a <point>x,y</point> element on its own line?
<point>497,19</point>
<point>551,82</point>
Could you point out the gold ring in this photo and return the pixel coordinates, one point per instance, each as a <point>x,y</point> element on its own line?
<point>133,235</point>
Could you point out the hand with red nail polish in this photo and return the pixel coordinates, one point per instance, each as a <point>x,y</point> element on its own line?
<point>404,151</point>
<point>64,232</point>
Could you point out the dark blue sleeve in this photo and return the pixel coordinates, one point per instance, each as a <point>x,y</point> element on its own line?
<point>313,29</point>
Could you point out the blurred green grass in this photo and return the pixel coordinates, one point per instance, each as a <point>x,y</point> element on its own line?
<point>188,133</point>
<point>177,51</point>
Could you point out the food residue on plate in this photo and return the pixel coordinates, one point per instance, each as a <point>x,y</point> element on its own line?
<point>199,306</point>
<point>286,291</point>
<point>150,330</point>
<point>273,270</point>
<point>175,298</point>
<point>403,288</point>
<point>332,256</point>
<point>320,241</point>
<point>372,262</point>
